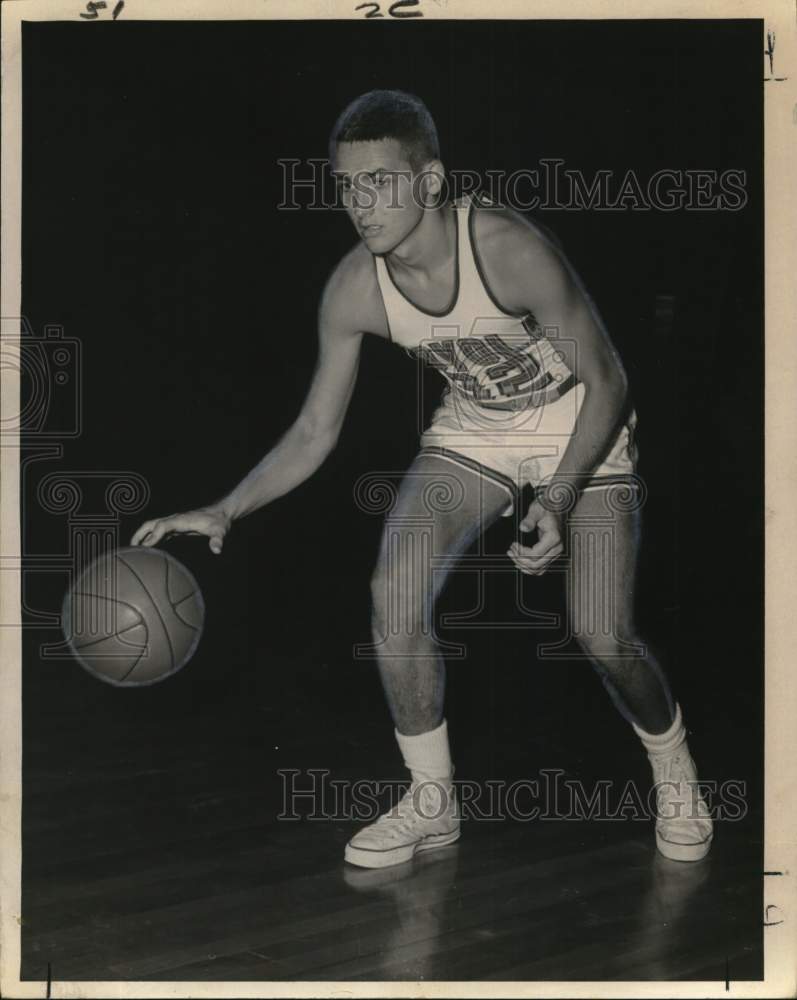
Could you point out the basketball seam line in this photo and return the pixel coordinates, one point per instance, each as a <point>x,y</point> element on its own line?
<point>175,604</point>
<point>157,611</point>
<point>194,628</point>
<point>122,631</point>
<point>116,600</point>
<point>78,649</point>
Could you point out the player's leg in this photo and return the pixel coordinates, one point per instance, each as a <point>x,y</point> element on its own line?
<point>602,571</point>
<point>602,568</point>
<point>440,510</point>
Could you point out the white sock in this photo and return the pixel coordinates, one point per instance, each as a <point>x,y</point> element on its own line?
<point>664,743</point>
<point>427,756</point>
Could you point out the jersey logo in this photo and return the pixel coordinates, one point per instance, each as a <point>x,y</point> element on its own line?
<point>496,369</point>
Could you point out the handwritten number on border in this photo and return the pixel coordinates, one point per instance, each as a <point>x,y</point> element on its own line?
<point>94,6</point>
<point>397,9</point>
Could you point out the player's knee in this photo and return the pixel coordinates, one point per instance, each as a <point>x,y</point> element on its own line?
<point>611,646</point>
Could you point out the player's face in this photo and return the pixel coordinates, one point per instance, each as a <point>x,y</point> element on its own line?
<point>379,191</point>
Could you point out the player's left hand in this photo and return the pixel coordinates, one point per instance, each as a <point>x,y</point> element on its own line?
<point>535,559</point>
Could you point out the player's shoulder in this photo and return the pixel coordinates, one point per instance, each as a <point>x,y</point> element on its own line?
<point>354,270</point>
<point>351,297</point>
<point>520,260</point>
<point>502,232</point>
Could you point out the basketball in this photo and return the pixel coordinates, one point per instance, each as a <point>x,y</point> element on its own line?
<point>134,616</point>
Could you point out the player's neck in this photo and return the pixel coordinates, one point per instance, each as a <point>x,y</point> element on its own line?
<point>430,247</point>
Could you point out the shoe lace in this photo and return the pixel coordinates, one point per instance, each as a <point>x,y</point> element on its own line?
<point>400,816</point>
<point>404,814</point>
<point>677,795</point>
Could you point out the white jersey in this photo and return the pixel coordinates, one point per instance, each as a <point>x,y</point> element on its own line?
<point>495,359</point>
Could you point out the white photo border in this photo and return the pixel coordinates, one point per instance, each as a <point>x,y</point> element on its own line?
<point>780,824</point>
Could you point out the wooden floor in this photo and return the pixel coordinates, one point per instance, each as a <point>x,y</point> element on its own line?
<point>152,851</point>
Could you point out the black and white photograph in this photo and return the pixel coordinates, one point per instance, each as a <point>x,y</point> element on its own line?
<point>398,475</point>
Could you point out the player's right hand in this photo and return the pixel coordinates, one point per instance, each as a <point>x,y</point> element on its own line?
<point>208,521</point>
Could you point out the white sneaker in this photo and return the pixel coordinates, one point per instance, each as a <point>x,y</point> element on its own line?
<point>684,828</point>
<point>424,819</point>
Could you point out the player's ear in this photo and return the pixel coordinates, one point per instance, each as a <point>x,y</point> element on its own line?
<point>431,184</point>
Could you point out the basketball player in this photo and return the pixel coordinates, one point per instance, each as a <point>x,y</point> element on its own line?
<point>536,395</point>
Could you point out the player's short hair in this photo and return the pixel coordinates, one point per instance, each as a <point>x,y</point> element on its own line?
<point>389,114</point>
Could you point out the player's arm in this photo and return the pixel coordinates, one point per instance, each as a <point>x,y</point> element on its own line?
<point>314,433</point>
<point>307,442</point>
<point>542,282</point>
<point>535,277</point>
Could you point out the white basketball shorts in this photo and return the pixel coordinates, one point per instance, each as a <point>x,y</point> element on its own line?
<point>515,449</point>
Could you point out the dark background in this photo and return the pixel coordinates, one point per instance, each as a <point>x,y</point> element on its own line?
<point>150,232</point>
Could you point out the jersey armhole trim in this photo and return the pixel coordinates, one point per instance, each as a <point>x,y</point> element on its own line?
<point>475,254</point>
<point>382,300</point>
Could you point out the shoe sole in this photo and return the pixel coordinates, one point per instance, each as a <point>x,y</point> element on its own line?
<point>683,852</point>
<point>364,858</point>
